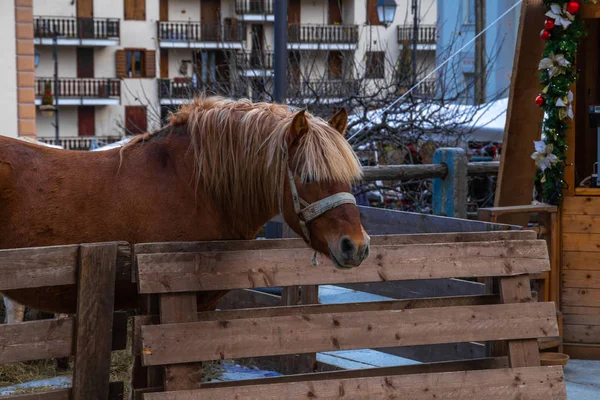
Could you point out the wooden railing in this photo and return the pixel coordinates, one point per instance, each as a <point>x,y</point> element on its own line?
<point>76,28</point>
<point>331,34</point>
<point>80,142</point>
<point>255,60</point>
<point>80,87</point>
<point>254,6</point>
<point>427,34</point>
<point>199,32</point>
<point>324,89</point>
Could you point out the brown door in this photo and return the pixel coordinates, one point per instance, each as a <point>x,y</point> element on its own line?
<point>135,120</point>
<point>85,22</point>
<point>294,12</point>
<point>164,62</point>
<point>85,62</point>
<point>164,10</point>
<point>209,19</point>
<point>86,120</point>
<point>334,64</point>
<point>335,12</point>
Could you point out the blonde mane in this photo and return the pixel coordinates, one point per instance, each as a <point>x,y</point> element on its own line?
<point>238,150</point>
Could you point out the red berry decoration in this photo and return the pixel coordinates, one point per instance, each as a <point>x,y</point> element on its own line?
<point>573,7</point>
<point>549,24</point>
<point>539,100</point>
<point>545,35</point>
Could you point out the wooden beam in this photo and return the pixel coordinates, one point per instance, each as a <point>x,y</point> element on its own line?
<point>49,338</point>
<point>214,340</point>
<point>95,307</point>
<point>180,272</point>
<point>524,118</point>
<point>496,384</point>
<point>50,266</point>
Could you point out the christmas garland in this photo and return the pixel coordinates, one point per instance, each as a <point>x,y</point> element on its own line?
<point>562,31</point>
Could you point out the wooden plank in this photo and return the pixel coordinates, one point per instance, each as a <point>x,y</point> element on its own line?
<point>214,340</point>
<point>581,260</point>
<point>581,279</point>
<point>179,272</point>
<point>580,205</point>
<point>95,305</point>
<point>497,384</point>
<point>582,320</point>
<point>143,320</point>
<point>581,191</point>
<point>581,351</point>
<point>582,334</point>
<point>174,309</point>
<point>590,11</point>
<point>50,338</point>
<point>524,118</point>
<point>574,310</point>
<point>50,266</point>
<point>555,249</point>
<point>376,240</point>
<point>517,290</point>
<point>404,172</point>
<point>581,223</point>
<point>581,297</point>
<point>489,212</point>
<point>581,242</point>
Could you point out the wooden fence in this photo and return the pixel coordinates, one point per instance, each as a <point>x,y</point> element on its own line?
<point>179,336</point>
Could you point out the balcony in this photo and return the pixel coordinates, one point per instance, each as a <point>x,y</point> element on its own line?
<point>194,35</point>
<point>81,91</point>
<point>322,37</point>
<point>77,31</point>
<point>255,10</point>
<point>81,142</point>
<point>426,36</point>
<point>323,91</point>
<point>255,64</point>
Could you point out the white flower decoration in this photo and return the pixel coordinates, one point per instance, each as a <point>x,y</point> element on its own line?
<point>543,156</point>
<point>560,15</point>
<point>555,64</point>
<point>566,104</point>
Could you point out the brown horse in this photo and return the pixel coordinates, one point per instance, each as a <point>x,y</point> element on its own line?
<point>218,170</point>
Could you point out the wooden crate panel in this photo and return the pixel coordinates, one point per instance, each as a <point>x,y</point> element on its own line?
<point>180,272</point>
<point>534,383</point>
<point>582,319</point>
<point>581,260</point>
<point>213,340</point>
<point>581,279</point>
<point>581,223</point>
<point>581,333</point>
<point>581,242</point>
<point>575,310</point>
<point>580,205</point>
<point>580,297</point>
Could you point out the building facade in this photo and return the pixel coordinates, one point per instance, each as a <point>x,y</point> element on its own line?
<point>124,64</point>
<point>456,27</point>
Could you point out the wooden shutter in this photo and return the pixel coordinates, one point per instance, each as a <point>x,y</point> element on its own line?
<point>372,17</point>
<point>86,120</point>
<point>150,64</point>
<point>136,120</point>
<point>135,10</point>
<point>140,10</point>
<point>121,64</point>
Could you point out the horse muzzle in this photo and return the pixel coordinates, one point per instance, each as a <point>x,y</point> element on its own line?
<point>349,253</point>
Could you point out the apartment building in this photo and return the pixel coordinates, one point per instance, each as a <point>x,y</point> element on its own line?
<point>123,64</point>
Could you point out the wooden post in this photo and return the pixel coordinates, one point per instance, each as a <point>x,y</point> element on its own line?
<point>521,353</point>
<point>450,193</point>
<point>95,307</point>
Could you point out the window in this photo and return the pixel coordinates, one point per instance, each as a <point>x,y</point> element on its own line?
<point>468,12</point>
<point>375,68</point>
<point>372,16</point>
<point>135,10</point>
<point>135,63</point>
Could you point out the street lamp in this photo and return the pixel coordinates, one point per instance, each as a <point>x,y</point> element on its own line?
<point>386,10</point>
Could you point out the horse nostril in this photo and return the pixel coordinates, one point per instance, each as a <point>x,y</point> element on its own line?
<point>347,247</point>
<point>366,252</point>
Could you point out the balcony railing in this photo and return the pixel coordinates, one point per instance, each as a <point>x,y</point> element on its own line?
<point>81,142</point>
<point>76,28</point>
<point>427,88</point>
<point>80,87</point>
<point>324,89</point>
<point>198,32</point>
<point>330,34</point>
<point>426,34</point>
<point>254,7</point>
<point>255,60</point>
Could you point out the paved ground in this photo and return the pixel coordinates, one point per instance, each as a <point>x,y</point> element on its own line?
<point>583,379</point>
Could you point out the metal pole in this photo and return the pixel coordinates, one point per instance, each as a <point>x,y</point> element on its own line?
<point>280,56</point>
<point>480,73</point>
<point>415,10</point>
<point>56,87</point>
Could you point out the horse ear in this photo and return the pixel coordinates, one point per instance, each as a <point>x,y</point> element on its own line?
<point>340,121</point>
<point>298,128</point>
